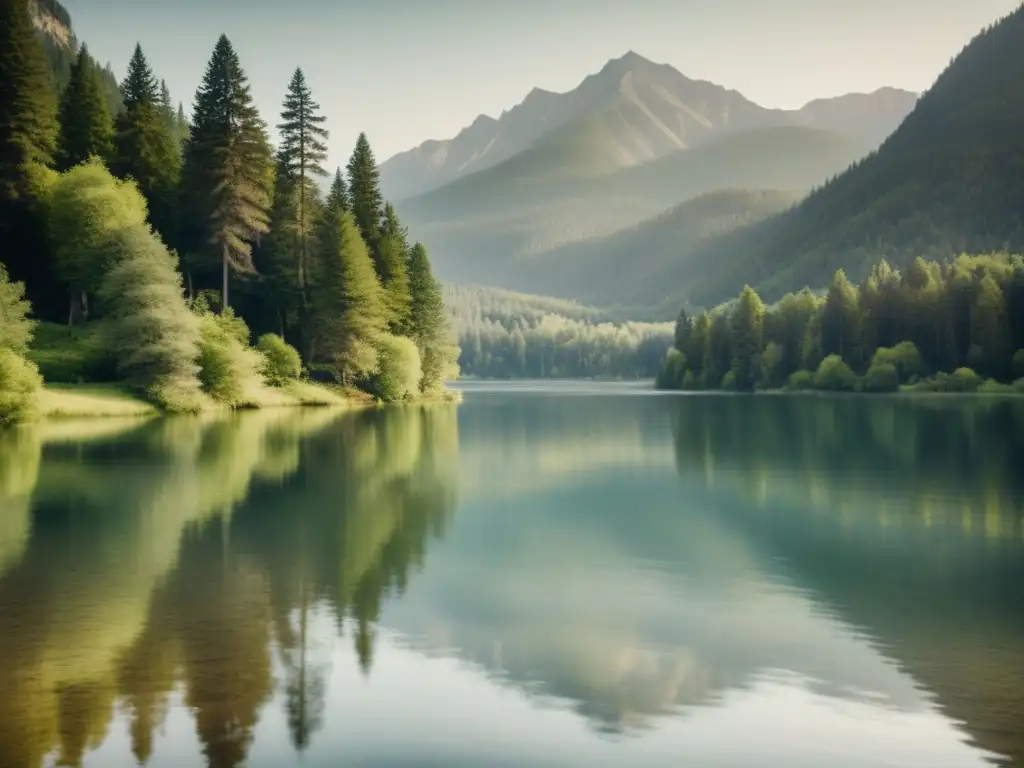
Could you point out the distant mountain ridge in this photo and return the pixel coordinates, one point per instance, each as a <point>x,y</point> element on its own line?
<point>643,109</point>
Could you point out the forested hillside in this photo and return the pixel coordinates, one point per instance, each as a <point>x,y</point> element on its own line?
<point>949,180</point>
<point>505,335</point>
<point>164,260</point>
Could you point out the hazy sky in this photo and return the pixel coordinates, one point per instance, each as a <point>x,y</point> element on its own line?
<point>409,70</point>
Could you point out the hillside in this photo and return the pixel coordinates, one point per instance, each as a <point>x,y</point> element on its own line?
<point>498,226</point>
<point>630,112</point>
<point>950,179</point>
<point>629,268</point>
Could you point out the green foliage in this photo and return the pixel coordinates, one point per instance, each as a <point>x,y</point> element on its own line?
<point>800,380</point>
<point>672,371</point>
<point>20,384</point>
<point>365,200</point>
<point>226,173</point>
<point>281,360</point>
<point>337,199</point>
<point>1018,363</point>
<point>729,382</point>
<point>86,128</point>
<point>772,366</point>
<point>15,326</point>
<point>747,321</point>
<point>904,358</point>
<point>229,369</point>
<point>89,208</point>
<point>398,371</point>
<point>150,328</point>
<point>428,323</point>
<point>834,375</point>
<point>390,263</point>
<point>881,377</point>
<point>144,149</point>
<point>348,306</point>
<point>71,354</point>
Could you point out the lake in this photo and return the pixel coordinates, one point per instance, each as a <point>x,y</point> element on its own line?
<point>549,574</point>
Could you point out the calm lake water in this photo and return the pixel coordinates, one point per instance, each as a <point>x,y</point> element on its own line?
<point>546,575</point>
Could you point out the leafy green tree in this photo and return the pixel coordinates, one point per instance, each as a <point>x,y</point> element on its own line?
<point>281,360</point>
<point>227,171</point>
<point>365,199</point>
<point>398,373</point>
<point>89,208</point>
<point>151,330</point>
<point>428,323</point>
<point>20,383</point>
<point>990,328</point>
<point>834,375</point>
<point>772,366</point>
<point>15,326</point>
<point>86,129</point>
<point>348,306</point>
<point>337,199</point>
<point>144,149</point>
<point>391,267</point>
<point>229,369</point>
<point>881,377</point>
<point>300,160</point>
<point>747,339</point>
<point>839,319</point>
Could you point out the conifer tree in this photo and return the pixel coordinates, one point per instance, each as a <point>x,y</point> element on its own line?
<point>428,323</point>
<point>747,339</point>
<point>300,158</point>
<point>143,147</point>
<point>337,199</point>
<point>348,308</point>
<point>365,200</point>
<point>390,262</point>
<point>227,172</point>
<point>278,258</point>
<point>86,128</point>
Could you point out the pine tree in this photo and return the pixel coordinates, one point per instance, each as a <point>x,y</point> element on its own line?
<point>337,198</point>
<point>85,125</point>
<point>227,173</point>
<point>348,308</point>
<point>365,198</point>
<point>428,323</point>
<point>390,263</point>
<point>300,158</point>
<point>747,339</point>
<point>143,146</point>
<point>278,258</point>
<point>28,131</point>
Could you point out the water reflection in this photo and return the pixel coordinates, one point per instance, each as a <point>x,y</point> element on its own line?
<point>170,556</point>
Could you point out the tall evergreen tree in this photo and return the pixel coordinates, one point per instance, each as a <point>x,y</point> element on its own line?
<point>747,339</point>
<point>348,308</point>
<point>227,173</point>
<point>337,199</point>
<point>392,252</point>
<point>365,198</point>
<point>28,131</point>
<point>300,158</point>
<point>86,128</point>
<point>143,146</point>
<point>428,322</point>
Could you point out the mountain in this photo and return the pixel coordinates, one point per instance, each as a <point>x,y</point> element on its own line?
<point>631,111</point>
<point>53,27</point>
<point>950,179</point>
<point>593,271</point>
<point>503,226</point>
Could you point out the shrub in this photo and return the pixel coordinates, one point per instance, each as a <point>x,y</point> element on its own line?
<point>729,381</point>
<point>689,381</point>
<point>904,357</point>
<point>1018,385</point>
<point>15,327</point>
<point>398,369</point>
<point>834,375</point>
<point>20,383</point>
<point>1018,364</point>
<point>71,354</point>
<point>673,367</point>
<point>800,380</point>
<point>281,361</point>
<point>881,377</point>
<point>229,369</point>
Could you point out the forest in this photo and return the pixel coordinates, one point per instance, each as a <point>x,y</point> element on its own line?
<point>148,252</point>
<point>953,327</point>
<point>507,335</point>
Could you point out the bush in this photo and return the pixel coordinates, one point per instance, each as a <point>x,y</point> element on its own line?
<point>281,361</point>
<point>729,381</point>
<point>15,327</point>
<point>229,369</point>
<point>673,367</point>
<point>833,375</point>
<point>1018,364</point>
<point>961,380</point>
<point>689,381</point>
<point>904,357</point>
<point>881,377</point>
<point>800,380</point>
<point>1018,385</point>
<point>398,369</point>
<point>20,384</point>
<point>72,354</point>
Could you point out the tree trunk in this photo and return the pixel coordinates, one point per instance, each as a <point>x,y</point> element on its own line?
<point>191,290</point>
<point>224,290</point>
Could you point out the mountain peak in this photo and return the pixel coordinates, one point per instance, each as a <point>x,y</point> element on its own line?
<point>628,62</point>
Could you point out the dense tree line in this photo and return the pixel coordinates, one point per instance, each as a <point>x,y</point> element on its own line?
<point>943,326</point>
<point>211,220</point>
<point>508,335</point>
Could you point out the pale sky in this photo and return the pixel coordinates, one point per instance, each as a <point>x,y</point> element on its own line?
<point>406,71</point>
